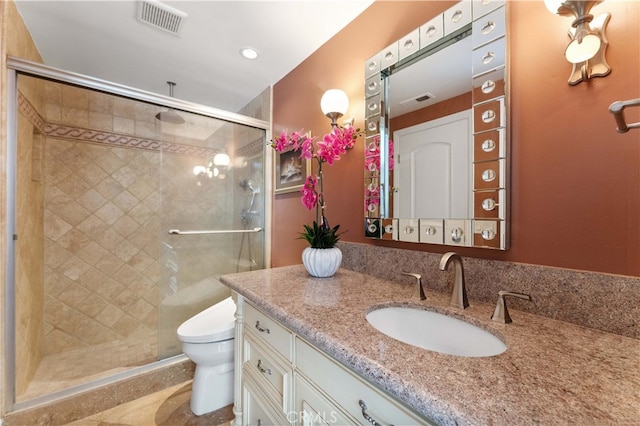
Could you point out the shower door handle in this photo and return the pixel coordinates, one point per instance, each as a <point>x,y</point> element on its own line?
<point>215,231</point>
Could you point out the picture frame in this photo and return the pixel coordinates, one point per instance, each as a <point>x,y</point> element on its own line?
<point>290,171</point>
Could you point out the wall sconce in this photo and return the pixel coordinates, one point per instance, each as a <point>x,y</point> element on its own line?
<point>588,41</point>
<point>334,104</point>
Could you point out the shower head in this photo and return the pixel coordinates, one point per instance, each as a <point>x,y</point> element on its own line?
<point>170,116</point>
<point>247,185</point>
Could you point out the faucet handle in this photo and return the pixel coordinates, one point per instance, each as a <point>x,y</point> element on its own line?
<point>419,291</point>
<point>501,313</point>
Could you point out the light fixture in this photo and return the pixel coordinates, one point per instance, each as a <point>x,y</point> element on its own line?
<point>170,116</point>
<point>249,53</point>
<point>214,168</point>
<point>221,159</point>
<point>588,41</point>
<point>334,104</point>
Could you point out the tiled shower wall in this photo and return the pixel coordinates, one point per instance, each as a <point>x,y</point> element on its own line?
<point>103,195</point>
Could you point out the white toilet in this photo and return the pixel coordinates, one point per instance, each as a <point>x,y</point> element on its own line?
<point>208,340</point>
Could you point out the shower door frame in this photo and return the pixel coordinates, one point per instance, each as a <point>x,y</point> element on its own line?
<point>16,66</point>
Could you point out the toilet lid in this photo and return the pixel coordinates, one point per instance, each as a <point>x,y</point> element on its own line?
<point>214,324</point>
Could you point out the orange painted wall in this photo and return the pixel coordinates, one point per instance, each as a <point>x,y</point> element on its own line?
<point>575,182</point>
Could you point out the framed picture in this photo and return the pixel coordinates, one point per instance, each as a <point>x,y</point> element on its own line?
<point>291,171</point>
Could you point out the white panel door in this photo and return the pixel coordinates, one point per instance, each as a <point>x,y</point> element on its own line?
<point>432,170</point>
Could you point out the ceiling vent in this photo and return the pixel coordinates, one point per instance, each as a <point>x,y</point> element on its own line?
<point>424,97</point>
<point>161,16</point>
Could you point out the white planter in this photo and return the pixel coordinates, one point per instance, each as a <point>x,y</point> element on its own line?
<point>322,263</point>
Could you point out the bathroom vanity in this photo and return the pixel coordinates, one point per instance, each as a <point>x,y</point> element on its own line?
<point>305,353</point>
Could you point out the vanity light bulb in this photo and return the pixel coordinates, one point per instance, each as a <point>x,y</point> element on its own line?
<point>553,5</point>
<point>199,169</point>
<point>582,50</point>
<point>221,160</point>
<point>334,100</point>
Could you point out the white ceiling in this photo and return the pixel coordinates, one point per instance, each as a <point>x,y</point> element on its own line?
<point>104,39</point>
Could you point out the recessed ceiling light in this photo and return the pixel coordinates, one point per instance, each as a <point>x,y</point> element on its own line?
<point>249,53</point>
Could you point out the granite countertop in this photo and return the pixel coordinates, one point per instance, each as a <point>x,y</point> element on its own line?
<point>552,372</point>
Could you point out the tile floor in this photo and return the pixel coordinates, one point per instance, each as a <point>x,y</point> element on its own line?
<point>169,407</point>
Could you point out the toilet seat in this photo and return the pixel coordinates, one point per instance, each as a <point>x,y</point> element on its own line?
<point>214,324</point>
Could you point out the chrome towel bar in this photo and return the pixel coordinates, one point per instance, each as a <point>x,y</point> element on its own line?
<point>214,231</point>
<point>617,109</point>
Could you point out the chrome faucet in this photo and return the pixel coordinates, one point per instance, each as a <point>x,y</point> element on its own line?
<point>501,313</point>
<point>459,293</point>
<point>419,291</point>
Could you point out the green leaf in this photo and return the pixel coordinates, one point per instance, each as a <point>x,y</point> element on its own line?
<point>320,237</point>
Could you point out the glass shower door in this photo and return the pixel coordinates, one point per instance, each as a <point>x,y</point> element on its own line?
<point>211,222</point>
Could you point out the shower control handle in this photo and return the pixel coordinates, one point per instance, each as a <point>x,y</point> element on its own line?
<point>262,329</point>
<point>262,369</point>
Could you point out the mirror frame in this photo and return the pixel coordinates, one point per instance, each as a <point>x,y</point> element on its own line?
<point>488,227</point>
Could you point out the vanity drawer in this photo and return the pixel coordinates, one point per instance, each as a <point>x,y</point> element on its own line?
<point>312,407</point>
<point>269,370</point>
<point>347,390</point>
<point>257,410</point>
<point>268,330</point>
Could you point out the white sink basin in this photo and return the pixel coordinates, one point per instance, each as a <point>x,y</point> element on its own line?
<point>436,332</point>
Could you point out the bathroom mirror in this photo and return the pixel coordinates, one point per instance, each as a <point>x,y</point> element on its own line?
<point>436,151</point>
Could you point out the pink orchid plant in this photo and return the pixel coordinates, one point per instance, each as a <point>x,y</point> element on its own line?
<point>327,150</point>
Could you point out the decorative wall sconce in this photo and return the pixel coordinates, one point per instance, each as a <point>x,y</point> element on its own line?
<point>588,41</point>
<point>334,104</point>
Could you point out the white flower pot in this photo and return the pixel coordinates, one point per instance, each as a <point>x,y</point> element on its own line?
<point>322,263</point>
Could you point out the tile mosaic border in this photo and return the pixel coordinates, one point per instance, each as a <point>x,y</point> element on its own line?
<point>61,131</point>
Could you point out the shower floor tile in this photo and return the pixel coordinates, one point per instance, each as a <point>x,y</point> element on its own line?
<point>61,371</point>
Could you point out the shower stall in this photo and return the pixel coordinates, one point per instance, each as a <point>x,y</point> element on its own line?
<point>119,224</point>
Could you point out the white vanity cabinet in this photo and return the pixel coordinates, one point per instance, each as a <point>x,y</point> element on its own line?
<point>285,380</point>
<point>265,363</point>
